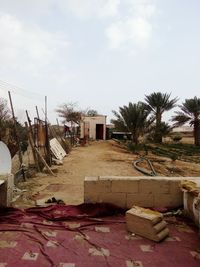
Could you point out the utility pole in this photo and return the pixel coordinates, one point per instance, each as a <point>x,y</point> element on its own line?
<point>47,135</point>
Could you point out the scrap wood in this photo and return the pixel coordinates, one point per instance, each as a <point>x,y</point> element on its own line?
<point>57,149</point>
<point>31,141</point>
<point>44,161</point>
<point>36,152</point>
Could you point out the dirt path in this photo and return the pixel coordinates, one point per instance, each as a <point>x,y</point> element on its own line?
<point>99,158</point>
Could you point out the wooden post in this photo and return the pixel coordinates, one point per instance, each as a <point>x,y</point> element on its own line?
<point>30,126</point>
<point>31,134</point>
<point>37,113</point>
<point>61,136</point>
<point>32,146</point>
<point>47,135</point>
<point>17,137</point>
<point>36,152</point>
<point>44,162</point>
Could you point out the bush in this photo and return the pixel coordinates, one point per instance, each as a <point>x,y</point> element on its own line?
<point>137,148</point>
<point>177,138</point>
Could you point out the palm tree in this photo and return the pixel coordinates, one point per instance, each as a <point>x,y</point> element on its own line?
<point>190,112</point>
<point>131,118</point>
<point>157,103</point>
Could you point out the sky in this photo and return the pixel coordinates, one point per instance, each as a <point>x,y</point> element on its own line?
<point>100,54</point>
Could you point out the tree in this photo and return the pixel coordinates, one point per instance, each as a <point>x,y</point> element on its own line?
<point>69,113</point>
<point>131,118</point>
<point>190,112</point>
<point>157,103</point>
<point>92,112</point>
<point>7,131</point>
<point>4,117</point>
<point>164,130</point>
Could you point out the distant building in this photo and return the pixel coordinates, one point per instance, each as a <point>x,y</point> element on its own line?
<point>183,129</point>
<point>93,127</point>
<point>121,135</point>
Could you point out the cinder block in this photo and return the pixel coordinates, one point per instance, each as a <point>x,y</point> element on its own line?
<point>151,186</point>
<point>175,186</point>
<point>118,199</point>
<point>168,200</point>
<point>89,178</point>
<point>97,186</point>
<point>6,190</point>
<point>142,200</point>
<point>91,197</point>
<point>111,178</point>
<point>125,186</point>
<point>146,223</point>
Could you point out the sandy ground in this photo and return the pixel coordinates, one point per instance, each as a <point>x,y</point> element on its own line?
<point>99,158</point>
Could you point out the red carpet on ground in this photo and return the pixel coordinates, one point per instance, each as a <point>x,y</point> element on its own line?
<point>90,235</point>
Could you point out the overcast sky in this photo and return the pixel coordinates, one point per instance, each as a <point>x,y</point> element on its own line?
<point>101,54</point>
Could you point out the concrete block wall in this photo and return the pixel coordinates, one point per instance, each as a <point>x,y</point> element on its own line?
<point>142,191</point>
<point>6,190</point>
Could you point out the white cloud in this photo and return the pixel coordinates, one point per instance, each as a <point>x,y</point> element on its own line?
<point>26,8</point>
<point>144,8</point>
<point>109,8</point>
<point>91,8</point>
<point>28,47</point>
<point>134,30</point>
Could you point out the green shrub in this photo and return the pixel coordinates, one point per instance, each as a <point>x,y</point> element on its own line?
<point>177,138</point>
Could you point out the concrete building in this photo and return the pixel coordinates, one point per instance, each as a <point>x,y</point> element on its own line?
<point>93,127</point>
<point>183,129</point>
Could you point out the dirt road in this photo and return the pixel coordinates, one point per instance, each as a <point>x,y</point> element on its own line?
<point>99,158</point>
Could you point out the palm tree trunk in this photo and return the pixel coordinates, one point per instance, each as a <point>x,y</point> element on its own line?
<point>158,135</point>
<point>197,133</point>
<point>135,138</point>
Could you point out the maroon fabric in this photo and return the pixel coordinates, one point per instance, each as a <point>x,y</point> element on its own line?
<point>89,235</point>
<point>76,212</point>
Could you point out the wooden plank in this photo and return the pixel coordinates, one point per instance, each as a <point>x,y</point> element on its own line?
<point>2,182</point>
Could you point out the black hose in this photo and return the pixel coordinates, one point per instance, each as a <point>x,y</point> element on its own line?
<point>144,171</point>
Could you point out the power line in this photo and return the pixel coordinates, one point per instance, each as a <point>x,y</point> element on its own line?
<point>5,86</point>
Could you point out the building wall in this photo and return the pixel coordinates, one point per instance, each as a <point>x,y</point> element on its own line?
<point>91,123</point>
<point>182,129</point>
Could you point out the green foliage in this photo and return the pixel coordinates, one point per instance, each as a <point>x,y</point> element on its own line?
<point>172,151</point>
<point>137,149</point>
<point>131,118</point>
<point>155,132</point>
<point>190,113</point>
<point>7,130</point>
<point>92,112</point>
<point>176,138</point>
<point>157,103</point>
<point>5,118</point>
